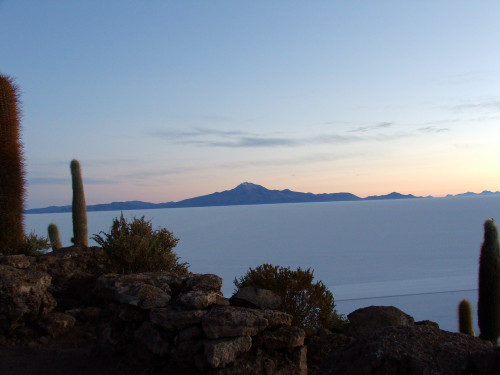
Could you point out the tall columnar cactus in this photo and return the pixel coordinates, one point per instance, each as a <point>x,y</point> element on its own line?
<point>465,318</point>
<point>55,239</point>
<point>488,306</point>
<point>12,188</point>
<point>80,235</point>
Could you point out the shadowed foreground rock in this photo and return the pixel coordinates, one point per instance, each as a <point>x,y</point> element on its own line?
<point>60,313</point>
<point>417,349</point>
<point>184,324</point>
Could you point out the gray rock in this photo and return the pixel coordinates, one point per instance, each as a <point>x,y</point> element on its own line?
<point>176,319</point>
<point>421,349</point>
<point>233,321</point>
<point>152,339</point>
<point>292,362</point>
<point>207,282</point>
<point>276,318</point>
<point>161,279</point>
<point>56,324</point>
<point>73,263</point>
<point>282,338</point>
<point>367,320</point>
<point>201,299</point>
<point>20,261</point>
<point>255,298</point>
<point>24,296</point>
<point>221,352</point>
<point>136,290</point>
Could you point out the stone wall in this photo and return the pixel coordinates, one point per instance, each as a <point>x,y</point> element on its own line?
<point>179,323</point>
<point>185,322</point>
<point>165,323</point>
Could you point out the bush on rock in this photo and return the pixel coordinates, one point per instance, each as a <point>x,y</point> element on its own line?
<point>311,304</point>
<point>136,247</point>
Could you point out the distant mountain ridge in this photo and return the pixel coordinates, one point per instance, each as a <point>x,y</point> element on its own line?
<point>471,194</point>
<point>244,194</point>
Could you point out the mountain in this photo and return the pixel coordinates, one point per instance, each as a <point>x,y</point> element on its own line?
<point>471,194</point>
<point>243,194</point>
<point>392,195</point>
<point>248,193</point>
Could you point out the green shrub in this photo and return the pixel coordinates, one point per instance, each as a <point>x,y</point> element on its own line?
<point>311,304</point>
<point>35,245</point>
<point>135,247</point>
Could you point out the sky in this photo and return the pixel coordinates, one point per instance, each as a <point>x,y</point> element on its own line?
<point>167,100</point>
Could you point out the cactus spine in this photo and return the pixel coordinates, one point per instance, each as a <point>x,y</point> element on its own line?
<point>488,306</point>
<point>80,235</point>
<point>55,239</point>
<point>12,190</point>
<point>465,318</point>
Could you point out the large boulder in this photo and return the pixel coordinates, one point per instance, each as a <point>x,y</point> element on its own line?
<point>228,321</point>
<point>204,282</point>
<point>367,320</point>
<point>223,351</point>
<point>255,298</point>
<point>73,262</point>
<point>24,296</point>
<point>57,324</point>
<point>417,349</point>
<point>20,261</point>
<point>74,271</point>
<point>141,290</point>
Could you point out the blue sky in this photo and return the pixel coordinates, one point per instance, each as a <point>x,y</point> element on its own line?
<point>166,100</point>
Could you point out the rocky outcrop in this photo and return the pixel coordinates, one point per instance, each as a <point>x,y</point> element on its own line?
<point>321,345</point>
<point>24,296</point>
<point>486,362</point>
<point>165,323</point>
<point>405,349</point>
<point>365,321</point>
<point>73,271</point>
<point>184,323</point>
<point>256,298</point>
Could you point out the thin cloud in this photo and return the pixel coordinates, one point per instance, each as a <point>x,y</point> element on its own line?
<point>278,162</point>
<point>142,174</point>
<point>485,105</point>
<point>196,132</point>
<point>257,142</point>
<point>207,137</point>
<point>263,141</point>
<point>364,129</point>
<point>433,129</point>
<point>66,181</point>
<point>468,77</point>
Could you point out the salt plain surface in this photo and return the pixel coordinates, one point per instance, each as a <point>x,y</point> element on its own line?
<point>420,255</point>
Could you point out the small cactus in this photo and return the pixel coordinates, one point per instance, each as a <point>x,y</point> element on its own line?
<point>79,208</point>
<point>465,318</point>
<point>488,306</point>
<point>55,239</point>
<point>12,189</point>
